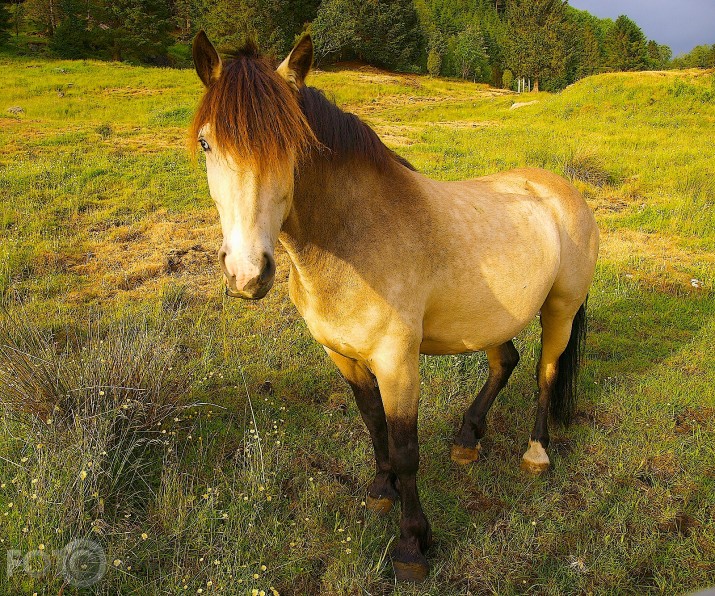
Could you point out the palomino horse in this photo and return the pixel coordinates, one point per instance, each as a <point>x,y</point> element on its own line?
<point>387,263</point>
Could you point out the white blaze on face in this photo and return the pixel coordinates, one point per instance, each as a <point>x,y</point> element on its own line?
<point>252,207</point>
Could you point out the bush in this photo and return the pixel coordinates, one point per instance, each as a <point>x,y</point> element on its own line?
<point>434,62</point>
<point>507,79</point>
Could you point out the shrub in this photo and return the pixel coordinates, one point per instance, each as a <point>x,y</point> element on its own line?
<point>434,62</point>
<point>507,79</point>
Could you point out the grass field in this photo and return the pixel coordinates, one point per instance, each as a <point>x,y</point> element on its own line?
<point>208,445</point>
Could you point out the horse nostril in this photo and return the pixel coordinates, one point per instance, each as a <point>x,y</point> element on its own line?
<point>222,260</point>
<point>268,269</point>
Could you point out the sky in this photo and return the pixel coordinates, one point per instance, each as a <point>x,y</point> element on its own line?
<point>680,24</point>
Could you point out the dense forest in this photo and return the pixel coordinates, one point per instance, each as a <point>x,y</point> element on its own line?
<point>543,44</point>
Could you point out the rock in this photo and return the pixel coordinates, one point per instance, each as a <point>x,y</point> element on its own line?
<point>523,103</point>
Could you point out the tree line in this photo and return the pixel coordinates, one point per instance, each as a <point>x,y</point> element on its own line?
<point>545,42</point>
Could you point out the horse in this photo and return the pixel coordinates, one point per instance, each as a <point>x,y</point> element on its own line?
<point>387,264</point>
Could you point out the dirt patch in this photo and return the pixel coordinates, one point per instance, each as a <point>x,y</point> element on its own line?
<point>476,501</point>
<point>138,258</point>
<point>138,140</point>
<point>682,524</point>
<point>602,419</point>
<point>128,92</point>
<point>194,259</point>
<point>663,466</point>
<point>47,262</point>
<point>402,135</point>
<point>692,419</point>
<point>611,205</point>
<point>137,276</point>
<point>662,264</point>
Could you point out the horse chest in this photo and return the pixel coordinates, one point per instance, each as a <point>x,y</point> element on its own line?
<point>338,320</point>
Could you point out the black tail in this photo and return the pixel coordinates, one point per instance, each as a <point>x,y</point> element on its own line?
<point>563,399</point>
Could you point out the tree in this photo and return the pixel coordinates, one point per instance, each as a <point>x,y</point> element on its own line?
<point>134,29</point>
<point>5,24</point>
<point>389,34</point>
<point>434,62</point>
<point>658,56</point>
<point>18,15</point>
<point>591,56</point>
<point>334,29</point>
<point>699,57</point>
<point>468,56</point>
<point>71,38</point>
<point>626,47</point>
<point>274,24</point>
<point>381,32</point>
<point>45,15</point>
<point>535,43</point>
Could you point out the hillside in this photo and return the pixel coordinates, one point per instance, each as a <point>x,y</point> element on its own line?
<point>108,243</point>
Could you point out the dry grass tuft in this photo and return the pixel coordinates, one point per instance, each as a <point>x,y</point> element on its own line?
<point>587,166</point>
<point>69,374</point>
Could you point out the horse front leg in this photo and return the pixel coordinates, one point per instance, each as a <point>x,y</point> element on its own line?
<point>398,377</point>
<point>382,493</point>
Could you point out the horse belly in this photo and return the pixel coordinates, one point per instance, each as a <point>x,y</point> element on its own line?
<point>463,326</point>
<point>491,302</point>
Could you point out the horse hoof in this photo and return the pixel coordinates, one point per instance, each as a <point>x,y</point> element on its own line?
<point>535,460</point>
<point>381,505</point>
<point>465,455</point>
<point>415,572</point>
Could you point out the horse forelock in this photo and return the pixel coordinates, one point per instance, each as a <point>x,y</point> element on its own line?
<point>253,114</point>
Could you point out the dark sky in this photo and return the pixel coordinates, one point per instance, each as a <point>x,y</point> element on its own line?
<point>681,24</point>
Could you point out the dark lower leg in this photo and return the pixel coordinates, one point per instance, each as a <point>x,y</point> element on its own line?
<point>369,402</point>
<point>415,533</point>
<point>382,492</point>
<point>547,373</point>
<point>502,361</point>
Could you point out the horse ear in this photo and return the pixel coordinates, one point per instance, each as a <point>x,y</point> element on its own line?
<point>297,64</point>
<point>206,59</point>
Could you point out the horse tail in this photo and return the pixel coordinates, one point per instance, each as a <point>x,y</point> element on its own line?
<point>563,399</point>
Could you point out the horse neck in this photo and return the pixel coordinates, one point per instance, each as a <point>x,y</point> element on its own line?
<point>333,202</point>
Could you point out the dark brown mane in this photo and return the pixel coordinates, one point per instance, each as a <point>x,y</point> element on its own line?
<point>255,116</point>
<point>343,134</point>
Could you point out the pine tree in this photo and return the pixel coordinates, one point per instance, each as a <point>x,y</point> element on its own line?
<point>71,38</point>
<point>381,32</point>
<point>626,47</point>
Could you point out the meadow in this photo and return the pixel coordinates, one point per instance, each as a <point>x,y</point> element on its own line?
<point>208,445</point>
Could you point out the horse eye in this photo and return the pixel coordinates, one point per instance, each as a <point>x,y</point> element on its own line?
<point>204,145</point>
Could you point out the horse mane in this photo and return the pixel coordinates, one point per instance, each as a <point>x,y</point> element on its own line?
<point>256,117</point>
<point>343,134</point>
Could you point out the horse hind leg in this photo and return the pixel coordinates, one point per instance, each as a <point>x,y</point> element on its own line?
<point>502,361</point>
<point>562,333</point>
<point>382,492</point>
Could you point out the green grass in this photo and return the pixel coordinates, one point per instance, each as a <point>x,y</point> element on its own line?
<point>107,253</point>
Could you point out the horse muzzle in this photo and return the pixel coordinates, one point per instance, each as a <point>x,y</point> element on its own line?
<point>256,288</point>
